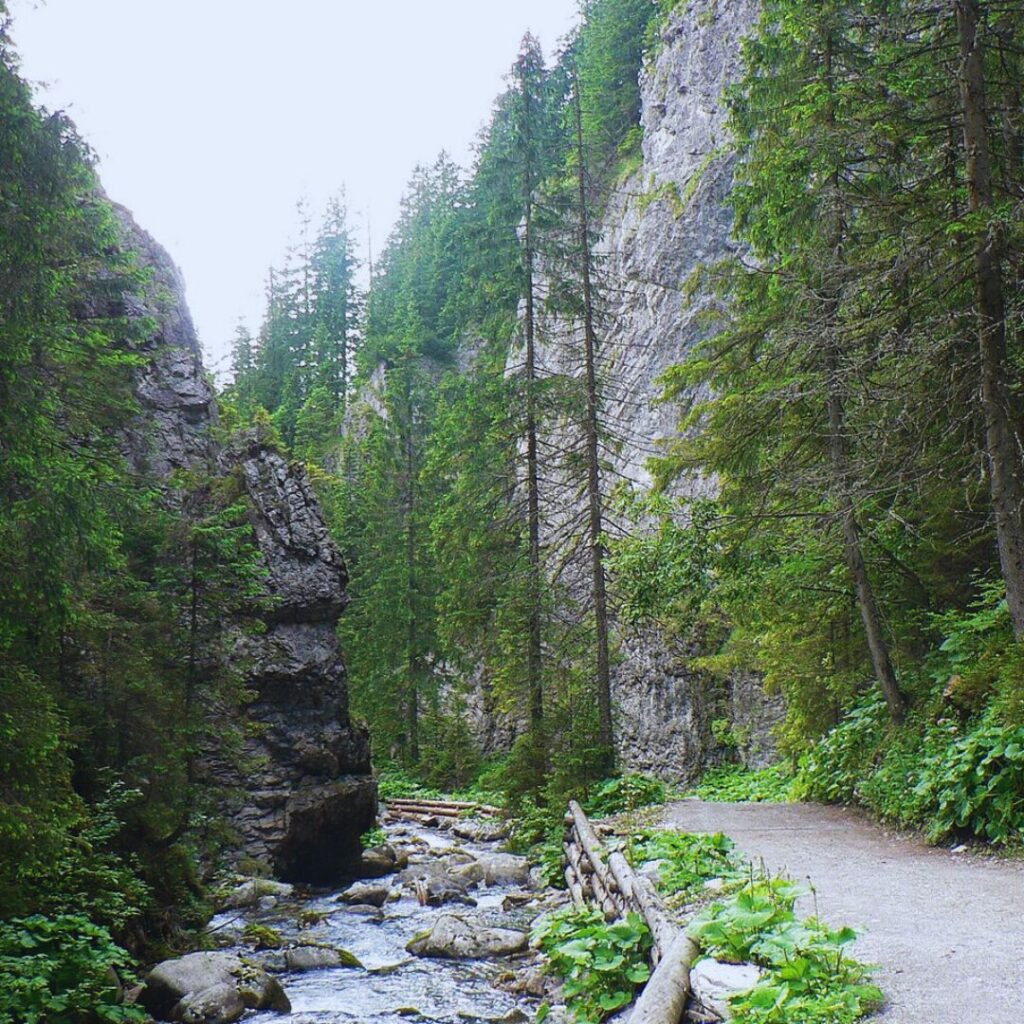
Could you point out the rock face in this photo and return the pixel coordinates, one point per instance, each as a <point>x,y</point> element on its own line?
<point>664,222</point>
<point>313,797</point>
<point>307,785</point>
<point>177,400</point>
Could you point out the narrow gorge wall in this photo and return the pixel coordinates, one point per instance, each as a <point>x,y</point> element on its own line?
<point>306,793</point>
<point>661,224</point>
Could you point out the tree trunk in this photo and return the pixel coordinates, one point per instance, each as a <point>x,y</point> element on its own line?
<point>412,638</point>
<point>839,454</point>
<point>534,652</point>
<point>606,740</point>
<point>854,554</point>
<point>1002,445</point>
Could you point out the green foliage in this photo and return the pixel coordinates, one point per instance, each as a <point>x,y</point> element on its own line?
<point>372,837</point>
<point>690,860</point>
<point>299,369</point>
<point>665,570</point>
<point>938,773</point>
<point>953,769</point>
<point>396,783</point>
<point>601,964</point>
<point>626,793</point>
<point>808,976</point>
<point>60,971</point>
<point>609,58</point>
<point>977,784</point>
<point>733,783</point>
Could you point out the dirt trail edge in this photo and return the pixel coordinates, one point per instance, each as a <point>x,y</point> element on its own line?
<point>946,928</point>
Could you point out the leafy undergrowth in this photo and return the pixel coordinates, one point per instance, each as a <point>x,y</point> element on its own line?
<point>808,977</point>
<point>601,964</point>
<point>538,825</point>
<point>59,971</point>
<point>938,773</point>
<point>745,916</point>
<point>396,783</point>
<point>690,863</point>
<point>624,794</point>
<point>732,783</point>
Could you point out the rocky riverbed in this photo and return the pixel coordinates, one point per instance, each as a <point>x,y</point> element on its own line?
<point>440,935</point>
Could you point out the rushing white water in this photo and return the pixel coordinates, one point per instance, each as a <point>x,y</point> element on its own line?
<point>392,985</point>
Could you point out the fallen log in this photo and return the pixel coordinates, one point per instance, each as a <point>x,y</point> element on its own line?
<point>444,808</point>
<point>640,891</point>
<point>663,999</point>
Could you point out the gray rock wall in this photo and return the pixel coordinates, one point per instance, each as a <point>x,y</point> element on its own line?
<point>661,225</point>
<point>306,790</point>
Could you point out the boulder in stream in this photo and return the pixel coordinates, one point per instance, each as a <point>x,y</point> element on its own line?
<point>210,988</point>
<point>314,958</point>
<point>366,894</point>
<point>250,892</point>
<point>379,861</point>
<point>458,938</point>
<point>504,869</point>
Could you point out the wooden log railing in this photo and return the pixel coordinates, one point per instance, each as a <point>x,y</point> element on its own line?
<point>608,881</point>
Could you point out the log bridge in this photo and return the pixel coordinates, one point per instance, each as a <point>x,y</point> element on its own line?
<point>607,880</point>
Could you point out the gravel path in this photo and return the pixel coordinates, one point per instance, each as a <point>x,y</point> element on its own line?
<point>947,928</point>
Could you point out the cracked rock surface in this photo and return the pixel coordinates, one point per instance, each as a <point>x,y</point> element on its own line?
<point>306,790</point>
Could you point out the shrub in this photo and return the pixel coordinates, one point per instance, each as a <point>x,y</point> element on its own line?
<point>808,978</point>
<point>60,970</point>
<point>601,964</point>
<point>976,784</point>
<point>937,773</point>
<point>626,793</point>
<point>690,860</point>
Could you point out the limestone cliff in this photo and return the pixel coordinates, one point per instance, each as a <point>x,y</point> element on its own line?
<point>307,791</point>
<point>662,223</point>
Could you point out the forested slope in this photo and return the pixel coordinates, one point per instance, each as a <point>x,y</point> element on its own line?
<point>706,376</point>
<point>838,513</point>
<point>172,698</point>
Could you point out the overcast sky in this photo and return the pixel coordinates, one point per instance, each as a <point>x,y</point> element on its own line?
<point>211,117</point>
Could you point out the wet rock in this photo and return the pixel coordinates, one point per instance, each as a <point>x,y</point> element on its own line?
<point>505,869</point>
<point>459,938</point>
<point>459,857</point>
<point>515,900</point>
<point>651,869</point>
<point>210,988</point>
<point>220,1004</point>
<point>270,960</point>
<point>712,983</point>
<point>514,1016</point>
<point>472,873</point>
<point>436,892</point>
<point>532,982</point>
<point>313,958</point>
<point>378,861</point>
<point>480,830</point>
<point>364,910</point>
<point>433,872</point>
<point>366,893</point>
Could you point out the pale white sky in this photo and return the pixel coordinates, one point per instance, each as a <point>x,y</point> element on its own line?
<point>211,117</point>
